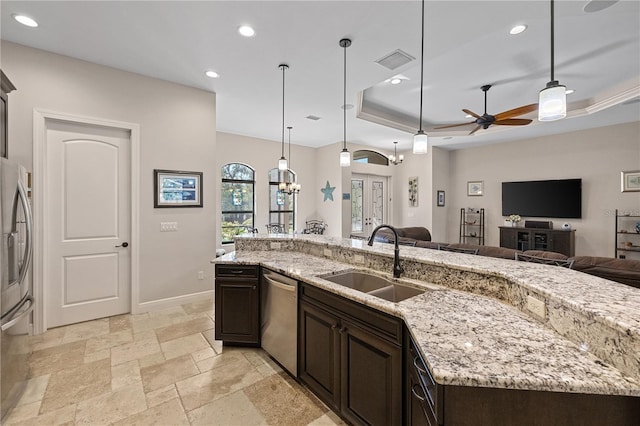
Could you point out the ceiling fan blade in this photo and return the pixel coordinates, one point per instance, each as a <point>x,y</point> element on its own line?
<point>471,113</point>
<point>513,122</point>
<point>516,111</point>
<point>454,125</point>
<point>478,127</point>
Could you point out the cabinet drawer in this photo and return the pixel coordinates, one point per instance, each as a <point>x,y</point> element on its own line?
<point>237,271</point>
<point>379,323</point>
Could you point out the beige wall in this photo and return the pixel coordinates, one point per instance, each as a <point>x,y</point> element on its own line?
<point>262,155</point>
<point>177,131</point>
<point>597,156</point>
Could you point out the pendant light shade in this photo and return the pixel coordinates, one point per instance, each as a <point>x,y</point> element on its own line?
<point>420,139</point>
<point>282,163</point>
<point>345,155</point>
<point>552,103</point>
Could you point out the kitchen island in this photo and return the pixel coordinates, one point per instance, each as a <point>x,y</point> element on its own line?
<point>472,325</point>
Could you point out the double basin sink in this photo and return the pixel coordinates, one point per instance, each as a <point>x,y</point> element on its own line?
<point>375,285</point>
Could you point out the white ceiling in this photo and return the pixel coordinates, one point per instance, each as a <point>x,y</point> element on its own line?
<point>467,45</point>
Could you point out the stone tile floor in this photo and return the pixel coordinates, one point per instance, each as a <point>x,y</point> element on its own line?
<point>160,368</point>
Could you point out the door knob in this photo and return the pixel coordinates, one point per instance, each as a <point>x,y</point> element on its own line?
<point>125,244</point>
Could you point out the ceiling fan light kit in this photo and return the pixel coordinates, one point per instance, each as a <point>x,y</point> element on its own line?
<point>282,163</point>
<point>552,103</point>
<point>420,139</point>
<point>345,155</point>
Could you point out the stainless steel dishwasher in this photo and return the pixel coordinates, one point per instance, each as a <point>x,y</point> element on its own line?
<point>279,322</point>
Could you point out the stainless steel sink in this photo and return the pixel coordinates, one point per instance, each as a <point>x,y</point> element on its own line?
<point>359,281</point>
<point>375,286</point>
<point>396,292</point>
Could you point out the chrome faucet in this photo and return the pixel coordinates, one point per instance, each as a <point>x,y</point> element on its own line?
<point>397,268</point>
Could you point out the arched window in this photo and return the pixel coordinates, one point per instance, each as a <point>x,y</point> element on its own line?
<point>237,204</point>
<point>282,206</point>
<point>370,157</point>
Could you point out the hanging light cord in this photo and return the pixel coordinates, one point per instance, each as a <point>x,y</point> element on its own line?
<point>552,47</point>
<point>283,68</point>
<point>421,66</point>
<point>344,100</point>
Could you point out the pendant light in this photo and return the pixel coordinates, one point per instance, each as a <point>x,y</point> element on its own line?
<point>282,163</point>
<point>420,140</point>
<point>552,104</point>
<point>394,159</point>
<point>290,187</point>
<point>345,155</point>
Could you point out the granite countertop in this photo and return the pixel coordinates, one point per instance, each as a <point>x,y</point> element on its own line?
<point>469,339</point>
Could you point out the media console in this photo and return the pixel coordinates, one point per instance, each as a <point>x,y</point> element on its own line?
<point>558,240</point>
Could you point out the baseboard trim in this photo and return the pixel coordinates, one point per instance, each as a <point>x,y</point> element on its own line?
<point>169,302</point>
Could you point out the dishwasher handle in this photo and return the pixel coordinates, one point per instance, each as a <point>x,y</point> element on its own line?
<point>281,286</point>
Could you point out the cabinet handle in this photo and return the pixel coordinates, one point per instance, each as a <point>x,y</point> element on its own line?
<point>254,288</point>
<point>334,327</point>
<point>413,391</point>
<point>419,368</point>
<point>236,271</point>
<point>343,330</point>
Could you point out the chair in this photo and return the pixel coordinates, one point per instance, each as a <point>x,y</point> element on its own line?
<point>314,227</point>
<point>407,243</point>
<point>276,228</point>
<point>358,237</point>
<point>457,249</point>
<point>566,263</point>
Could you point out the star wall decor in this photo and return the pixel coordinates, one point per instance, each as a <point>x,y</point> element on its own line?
<point>328,192</point>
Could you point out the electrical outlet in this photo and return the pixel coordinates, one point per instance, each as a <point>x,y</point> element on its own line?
<point>168,226</point>
<point>536,306</point>
<point>276,246</point>
<point>201,275</point>
<point>327,252</point>
<point>358,258</point>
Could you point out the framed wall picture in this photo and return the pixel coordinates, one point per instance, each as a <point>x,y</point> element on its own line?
<point>413,191</point>
<point>475,187</point>
<point>174,188</point>
<point>440,198</point>
<point>630,181</point>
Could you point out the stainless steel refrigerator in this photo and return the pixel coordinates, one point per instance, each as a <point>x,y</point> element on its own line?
<point>16,295</point>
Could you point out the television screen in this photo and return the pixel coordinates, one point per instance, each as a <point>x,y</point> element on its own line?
<point>543,198</point>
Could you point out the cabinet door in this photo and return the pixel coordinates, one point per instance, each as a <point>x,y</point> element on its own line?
<point>508,238</point>
<point>237,318</point>
<point>319,353</point>
<point>418,411</point>
<point>563,242</point>
<point>371,377</point>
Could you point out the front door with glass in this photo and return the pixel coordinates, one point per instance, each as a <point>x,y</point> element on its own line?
<point>368,203</point>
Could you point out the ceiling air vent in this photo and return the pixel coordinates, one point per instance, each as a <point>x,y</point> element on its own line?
<point>313,117</point>
<point>395,59</point>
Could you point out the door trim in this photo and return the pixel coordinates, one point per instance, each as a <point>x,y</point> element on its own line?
<point>40,200</point>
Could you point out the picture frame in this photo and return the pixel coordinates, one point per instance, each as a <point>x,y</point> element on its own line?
<point>475,188</point>
<point>440,198</point>
<point>630,181</point>
<point>176,188</point>
<point>413,191</point>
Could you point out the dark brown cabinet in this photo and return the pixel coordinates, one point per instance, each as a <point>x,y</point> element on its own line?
<point>424,398</point>
<point>237,304</point>
<point>558,240</point>
<point>6,87</point>
<point>351,357</point>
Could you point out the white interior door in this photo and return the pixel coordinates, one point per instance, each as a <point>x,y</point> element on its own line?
<point>368,203</point>
<point>88,263</point>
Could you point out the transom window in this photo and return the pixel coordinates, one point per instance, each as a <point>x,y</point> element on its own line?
<point>282,206</point>
<point>238,200</point>
<point>369,157</point>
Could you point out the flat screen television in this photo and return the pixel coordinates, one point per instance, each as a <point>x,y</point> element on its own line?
<point>543,198</point>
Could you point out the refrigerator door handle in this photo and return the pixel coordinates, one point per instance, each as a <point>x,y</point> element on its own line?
<point>28,218</point>
<point>20,314</point>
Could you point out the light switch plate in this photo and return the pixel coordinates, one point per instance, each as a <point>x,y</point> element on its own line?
<point>536,306</point>
<point>358,258</point>
<point>327,252</point>
<point>276,246</point>
<point>168,226</point>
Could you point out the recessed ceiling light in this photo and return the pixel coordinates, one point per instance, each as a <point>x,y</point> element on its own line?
<point>517,29</point>
<point>212,74</point>
<point>396,81</point>
<point>569,91</point>
<point>25,20</point>
<point>447,138</point>
<point>246,31</point>
<point>598,5</point>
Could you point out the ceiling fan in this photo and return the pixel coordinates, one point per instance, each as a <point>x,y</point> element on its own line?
<point>503,119</point>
